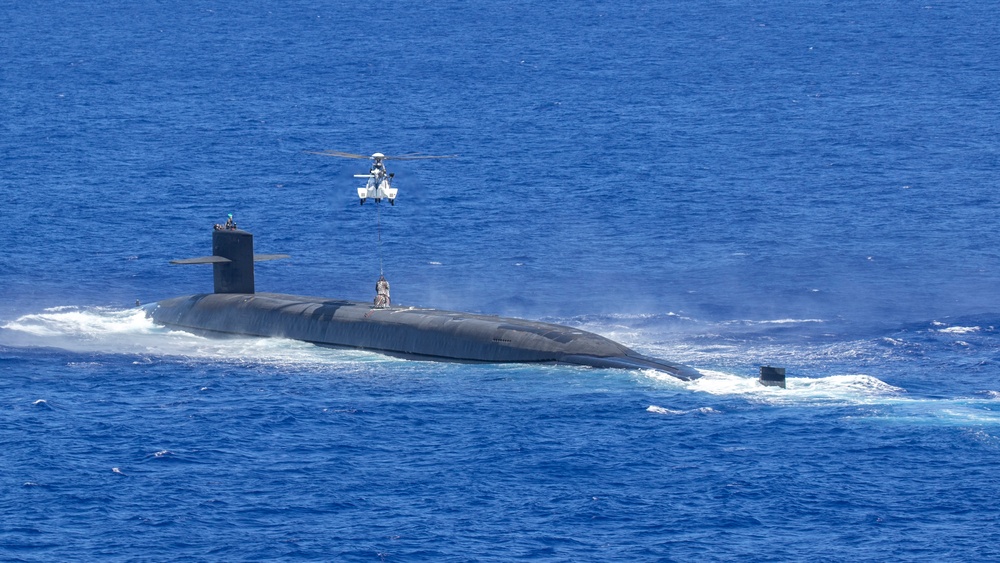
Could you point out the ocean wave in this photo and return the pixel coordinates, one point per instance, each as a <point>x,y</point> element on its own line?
<point>129,331</point>
<point>960,329</point>
<point>752,322</point>
<point>848,389</point>
<point>81,322</point>
<point>851,388</point>
<point>663,410</point>
<point>877,399</point>
<point>960,412</point>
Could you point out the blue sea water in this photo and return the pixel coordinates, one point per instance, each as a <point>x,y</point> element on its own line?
<point>728,185</point>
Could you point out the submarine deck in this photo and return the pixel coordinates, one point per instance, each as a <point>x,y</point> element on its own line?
<point>414,332</point>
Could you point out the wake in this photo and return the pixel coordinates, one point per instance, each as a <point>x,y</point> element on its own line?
<point>872,398</point>
<point>130,332</point>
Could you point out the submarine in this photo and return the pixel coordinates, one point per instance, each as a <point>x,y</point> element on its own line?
<point>235,308</point>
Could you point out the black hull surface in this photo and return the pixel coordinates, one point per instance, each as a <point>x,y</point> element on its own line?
<point>403,331</point>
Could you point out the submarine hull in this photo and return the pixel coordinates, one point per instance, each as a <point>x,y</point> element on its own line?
<point>402,331</point>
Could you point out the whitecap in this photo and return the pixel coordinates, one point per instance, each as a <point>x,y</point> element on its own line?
<point>42,404</point>
<point>960,329</point>
<point>787,321</point>
<point>662,410</point>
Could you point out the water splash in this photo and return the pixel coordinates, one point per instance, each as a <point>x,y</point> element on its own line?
<point>834,389</point>
<point>82,323</point>
<point>874,398</point>
<point>129,331</point>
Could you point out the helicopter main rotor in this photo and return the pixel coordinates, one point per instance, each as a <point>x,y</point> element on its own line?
<point>379,180</point>
<point>379,156</point>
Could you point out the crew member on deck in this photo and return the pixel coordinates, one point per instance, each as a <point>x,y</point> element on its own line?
<point>382,299</point>
<point>229,226</point>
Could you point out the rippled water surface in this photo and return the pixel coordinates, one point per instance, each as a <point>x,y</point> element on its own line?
<point>728,186</point>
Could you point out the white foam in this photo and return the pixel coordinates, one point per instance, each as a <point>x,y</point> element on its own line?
<point>833,389</point>
<point>661,410</point>
<point>985,437</point>
<point>129,331</point>
<point>960,329</point>
<point>673,412</point>
<point>775,322</point>
<point>876,399</point>
<point>962,412</point>
<point>61,308</point>
<point>82,323</point>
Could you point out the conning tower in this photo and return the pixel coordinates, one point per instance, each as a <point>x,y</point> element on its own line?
<point>236,275</point>
<point>232,260</point>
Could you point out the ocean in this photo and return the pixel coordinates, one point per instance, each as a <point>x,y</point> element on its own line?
<point>725,185</point>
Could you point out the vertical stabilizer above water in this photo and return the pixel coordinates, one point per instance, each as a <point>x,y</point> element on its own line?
<point>232,260</point>
<point>235,276</point>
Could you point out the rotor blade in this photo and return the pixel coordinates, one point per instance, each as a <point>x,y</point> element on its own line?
<point>340,154</point>
<point>420,157</point>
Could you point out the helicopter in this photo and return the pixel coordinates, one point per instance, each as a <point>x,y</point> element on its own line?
<point>379,184</point>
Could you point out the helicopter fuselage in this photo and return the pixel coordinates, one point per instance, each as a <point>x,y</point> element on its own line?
<point>379,185</point>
